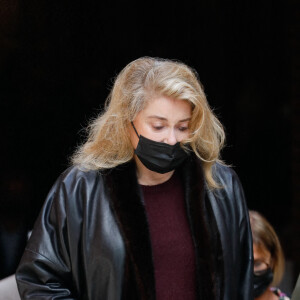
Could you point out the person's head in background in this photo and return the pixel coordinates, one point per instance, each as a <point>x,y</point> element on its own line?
<point>268,257</point>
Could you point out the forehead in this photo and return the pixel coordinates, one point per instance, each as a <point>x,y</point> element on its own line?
<point>261,253</point>
<point>167,107</point>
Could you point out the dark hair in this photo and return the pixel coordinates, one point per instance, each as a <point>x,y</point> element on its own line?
<point>266,239</point>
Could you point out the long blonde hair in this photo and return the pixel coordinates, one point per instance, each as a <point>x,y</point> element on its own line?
<point>108,144</point>
<point>265,238</point>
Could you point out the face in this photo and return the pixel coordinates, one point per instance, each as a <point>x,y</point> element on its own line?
<point>262,258</point>
<point>163,120</point>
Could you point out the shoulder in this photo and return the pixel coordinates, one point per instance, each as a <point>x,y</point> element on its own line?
<point>76,176</point>
<point>76,172</point>
<point>225,176</point>
<point>222,169</point>
<point>230,196</point>
<point>75,186</point>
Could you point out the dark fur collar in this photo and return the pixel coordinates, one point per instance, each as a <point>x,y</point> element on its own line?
<point>127,204</point>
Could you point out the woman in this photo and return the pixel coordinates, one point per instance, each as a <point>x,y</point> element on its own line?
<point>147,211</point>
<point>268,259</point>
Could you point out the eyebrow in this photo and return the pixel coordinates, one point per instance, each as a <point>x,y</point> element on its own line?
<point>165,119</point>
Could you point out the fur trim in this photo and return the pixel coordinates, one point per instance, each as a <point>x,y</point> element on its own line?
<point>194,185</point>
<point>129,209</point>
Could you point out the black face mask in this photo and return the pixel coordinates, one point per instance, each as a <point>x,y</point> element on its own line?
<point>262,281</point>
<point>159,157</point>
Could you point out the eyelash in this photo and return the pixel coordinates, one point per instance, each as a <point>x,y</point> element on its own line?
<point>183,128</point>
<point>158,127</point>
<point>179,128</point>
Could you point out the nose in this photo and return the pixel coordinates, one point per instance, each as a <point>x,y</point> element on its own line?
<point>171,139</point>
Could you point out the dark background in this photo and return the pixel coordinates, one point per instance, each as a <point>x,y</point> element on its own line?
<point>57,64</point>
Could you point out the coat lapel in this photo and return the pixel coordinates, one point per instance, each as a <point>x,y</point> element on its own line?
<point>204,231</point>
<point>128,206</point>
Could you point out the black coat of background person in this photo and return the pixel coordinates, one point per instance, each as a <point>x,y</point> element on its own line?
<point>58,58</point>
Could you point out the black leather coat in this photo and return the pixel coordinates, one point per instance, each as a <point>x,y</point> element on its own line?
<point>91,240</point>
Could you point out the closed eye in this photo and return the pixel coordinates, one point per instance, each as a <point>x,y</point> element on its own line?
<point>183,128</point>
<point>157,128</point>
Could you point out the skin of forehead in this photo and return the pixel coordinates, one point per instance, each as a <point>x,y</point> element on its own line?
<point>166,108</point>
<point>261,253</point>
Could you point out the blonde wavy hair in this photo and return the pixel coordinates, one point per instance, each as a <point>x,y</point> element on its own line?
<point>266,239</point>
<point>108,144</point>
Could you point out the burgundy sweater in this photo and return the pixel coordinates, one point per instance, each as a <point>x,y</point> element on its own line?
<point>172,244</point>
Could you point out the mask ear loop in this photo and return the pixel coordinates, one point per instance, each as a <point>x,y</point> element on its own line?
<point>135,129</point>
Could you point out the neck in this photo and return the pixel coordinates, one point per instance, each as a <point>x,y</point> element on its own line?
<point>148,177</point>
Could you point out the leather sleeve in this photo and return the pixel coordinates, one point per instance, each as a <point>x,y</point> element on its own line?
<point>45,271</point>
<point>246,248</point>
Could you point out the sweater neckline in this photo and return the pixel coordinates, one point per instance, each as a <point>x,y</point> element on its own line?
<point>161,187</point>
